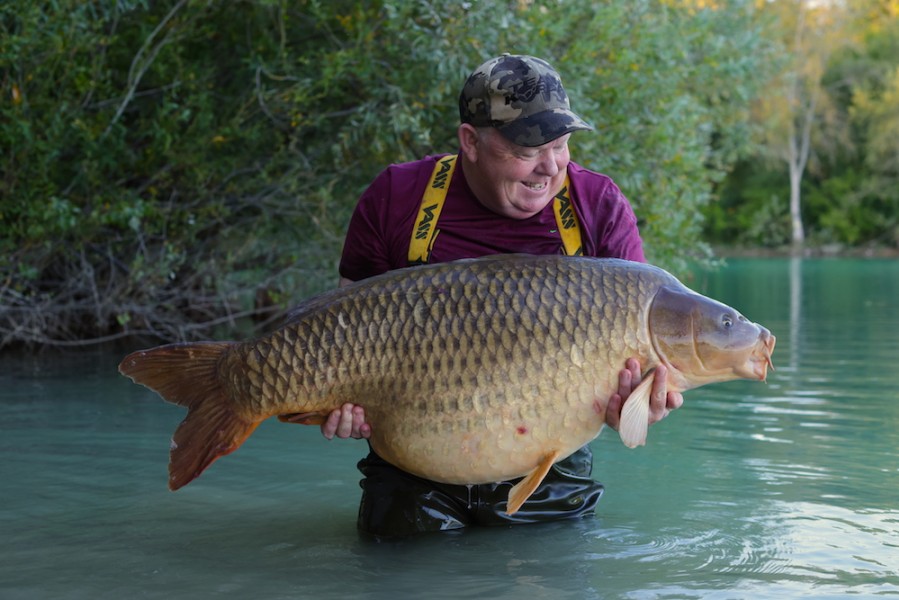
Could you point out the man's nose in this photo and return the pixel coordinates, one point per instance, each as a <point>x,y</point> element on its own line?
<point>548,165</point>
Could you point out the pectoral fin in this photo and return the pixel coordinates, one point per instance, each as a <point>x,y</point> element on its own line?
<point>522,490</point>
<point>635,414</point>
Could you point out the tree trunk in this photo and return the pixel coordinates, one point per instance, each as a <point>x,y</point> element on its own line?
<point>800,147</point>
<point>798,231</point>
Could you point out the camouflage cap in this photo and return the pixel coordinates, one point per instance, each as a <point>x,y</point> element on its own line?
<point>522,97</point>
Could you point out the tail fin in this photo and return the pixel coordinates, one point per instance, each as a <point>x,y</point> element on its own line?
<point>187,375</point>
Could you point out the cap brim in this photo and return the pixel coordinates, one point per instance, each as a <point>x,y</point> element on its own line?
<point>542,128</point>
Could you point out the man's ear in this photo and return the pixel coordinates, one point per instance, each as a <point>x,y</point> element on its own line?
<point>469,140</point>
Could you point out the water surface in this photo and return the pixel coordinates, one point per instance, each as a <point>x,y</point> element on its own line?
<point>751,490</point>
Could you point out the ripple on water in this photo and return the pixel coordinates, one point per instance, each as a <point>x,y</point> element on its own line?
<point>833,543</point>
<point>777,549</point>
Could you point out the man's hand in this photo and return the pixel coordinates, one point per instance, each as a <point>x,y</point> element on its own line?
<point>661,401</point>
<point>348,421</point>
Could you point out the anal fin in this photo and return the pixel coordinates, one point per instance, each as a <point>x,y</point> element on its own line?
<point>522,490</point>
<point>635,414</point>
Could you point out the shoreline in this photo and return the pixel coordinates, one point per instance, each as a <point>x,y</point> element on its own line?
<point>805,252</point>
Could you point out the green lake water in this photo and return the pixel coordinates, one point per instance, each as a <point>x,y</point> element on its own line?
<point>751,490</point>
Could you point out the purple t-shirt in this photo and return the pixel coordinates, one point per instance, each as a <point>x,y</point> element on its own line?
<point>381,227</point>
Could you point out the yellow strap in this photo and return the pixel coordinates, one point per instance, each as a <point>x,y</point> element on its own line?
<point>425,231</point>
<point>566,219</point>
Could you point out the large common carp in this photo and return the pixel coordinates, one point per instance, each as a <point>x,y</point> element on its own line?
<point>469,372</point>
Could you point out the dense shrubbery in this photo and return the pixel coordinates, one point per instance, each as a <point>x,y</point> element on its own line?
<point>173,166</point>
<point>851,190</point>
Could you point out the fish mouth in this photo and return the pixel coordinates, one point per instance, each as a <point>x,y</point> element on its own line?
<point>761,356</point>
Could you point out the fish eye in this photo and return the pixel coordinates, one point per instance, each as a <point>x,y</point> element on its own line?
<point>727,321</point>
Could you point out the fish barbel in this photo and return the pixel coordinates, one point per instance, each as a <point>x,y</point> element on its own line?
<point>469,372</point>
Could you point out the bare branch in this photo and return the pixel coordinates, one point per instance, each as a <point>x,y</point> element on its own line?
<point>141,64</point>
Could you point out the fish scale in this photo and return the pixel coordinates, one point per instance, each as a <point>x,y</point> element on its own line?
<point>469,372</point>
<point>421,404</point>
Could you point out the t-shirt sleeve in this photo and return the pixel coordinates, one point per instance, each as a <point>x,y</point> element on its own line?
<point>380,229</point>
<point>365,249</point>
<point>607,217</point>
<point>619,236</point>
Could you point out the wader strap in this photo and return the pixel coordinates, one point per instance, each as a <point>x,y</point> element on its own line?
<point>566,219</point>
<point>425,231</point>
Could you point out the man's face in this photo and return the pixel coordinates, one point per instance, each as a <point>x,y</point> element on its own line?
<point>517,181</point>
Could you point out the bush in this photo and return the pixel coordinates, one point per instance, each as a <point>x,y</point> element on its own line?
<point>172,167</point>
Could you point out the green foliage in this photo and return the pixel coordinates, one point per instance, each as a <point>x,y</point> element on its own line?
<point>171,166</point>
<point>851,194</point>
<point>752,208</point>
<point>669,89</point>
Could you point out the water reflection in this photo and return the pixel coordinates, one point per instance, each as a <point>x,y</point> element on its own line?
<point>795,308</point>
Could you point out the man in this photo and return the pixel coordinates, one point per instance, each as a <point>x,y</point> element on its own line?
<point>512,188</point>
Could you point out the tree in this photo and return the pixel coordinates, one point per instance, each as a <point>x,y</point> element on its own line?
<point>870,79</point>
<point>173,167</point>
<point>840,188</point>
<point>668,86</point>
<point>799,107</point>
